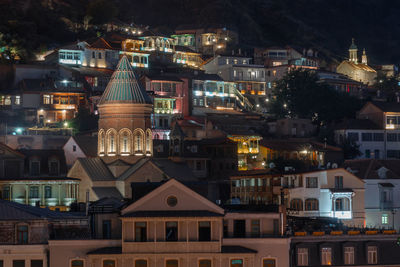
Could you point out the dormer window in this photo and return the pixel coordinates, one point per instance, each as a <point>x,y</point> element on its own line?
<point>34,167</point>
<point>54,167</point>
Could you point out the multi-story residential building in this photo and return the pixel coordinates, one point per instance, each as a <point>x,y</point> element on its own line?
<point>341,248</point>
<point>189,231</point>
<point>25,232</point>
<point>376,130</point>
<point>341,83</point>
<point>291,127</point>
<point>135,51</point>
<point>382,184</point>
<point>187,57</point>
<point>208,41</point>
<point>334,193</point>
<point>250,78</point>
<point>37,178</point>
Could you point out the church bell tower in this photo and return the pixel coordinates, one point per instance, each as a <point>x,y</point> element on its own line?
<point>353,52</point>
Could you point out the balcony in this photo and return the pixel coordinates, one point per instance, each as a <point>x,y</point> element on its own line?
<point>171,247</point>
<point>51,202</point>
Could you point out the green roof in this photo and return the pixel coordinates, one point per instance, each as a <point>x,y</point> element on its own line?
<point>124,86</point>
<point>353,45</point>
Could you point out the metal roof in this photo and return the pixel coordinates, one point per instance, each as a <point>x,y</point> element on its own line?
<point>124,86</point>
<point>103,192</point>
<point>96,169</point>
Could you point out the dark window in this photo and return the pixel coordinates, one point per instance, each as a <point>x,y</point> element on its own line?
<point>204,231</point>
<point>342,204</point>
<point>171,263</point>
<point>53,168</point>
<point>311,182</point>
<point>22,234</point>
<point>109,263</point>
<point>269,263</point>
<point>34,192</point>
<point>255,228</point>
<point>36,263</point>
<point>77,263</point>
<point>366,136</point>
<point>338,182</point>
<point>239,228</point>
<point>106,229</point>
<point>6,192</point>
<point>377,153</point>
<point>47,191</point>
<point>171,231</point>
<point>378,136</point>
<point>18,263</point>
<point>352,137</point>
<point>140,263</point>
<point>1,263</point>
<point>140,232</point>
<point>225,222</point>
<point>392,137</point>
<point>367,153</point>
<point>93,54</point>
<point>74,148</point>
<point>35,168</point>
<point>204,263</point>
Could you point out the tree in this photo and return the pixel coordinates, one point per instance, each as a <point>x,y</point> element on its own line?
<point>101,11</point>
<point>388,87</point>
<point>350,149</point>
<point>300,94</point>
<point>84,121</point>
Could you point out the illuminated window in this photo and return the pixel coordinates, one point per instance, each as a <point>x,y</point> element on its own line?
<point>296,204</point>
<point>17,100</point>
<point>237,263</point>
<point>372,255</point>
<point>342,204</point>
<point>326,256</point>
<point>349,255</point>
<point>112,143</point>
<point>385,219</point>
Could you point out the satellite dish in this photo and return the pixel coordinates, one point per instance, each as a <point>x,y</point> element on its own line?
<point>271,165</point>
<point>334,165</point>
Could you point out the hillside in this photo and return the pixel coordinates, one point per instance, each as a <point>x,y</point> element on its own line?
<point>327,25</point>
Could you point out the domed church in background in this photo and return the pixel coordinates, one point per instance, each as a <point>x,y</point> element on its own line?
<point>125,110</point>
<point>358,71</point>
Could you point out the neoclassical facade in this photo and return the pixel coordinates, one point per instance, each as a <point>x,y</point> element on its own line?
<point>125,110</point>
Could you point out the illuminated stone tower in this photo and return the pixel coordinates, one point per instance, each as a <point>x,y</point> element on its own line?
<point>125,110</point>
<point>353,52</point>
<point>364,59</point>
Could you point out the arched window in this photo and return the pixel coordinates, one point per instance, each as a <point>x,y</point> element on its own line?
<point>125,141</point>
<point>167,45</point>
<point>296,204</point>
<point>149,142</point>
<point>138,140</point>
<point>156,136</point>
<point>342,204</point>
<point>111,137</point>
<point>311,204</point>
<point>158,43</point>
<point>101,142</point>
<point>112,143</point>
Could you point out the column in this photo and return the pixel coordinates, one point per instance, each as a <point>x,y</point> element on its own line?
<point>59,194</point>
<point>11,192</point>
<point>43,196</point>
<point>26,194</point>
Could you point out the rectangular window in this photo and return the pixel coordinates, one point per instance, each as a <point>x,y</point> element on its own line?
<point>378,137</point>
<point>17,100</point>
<point>204,263</point>
<point>349,255</point>
<point>171,231</point>
<point>106,229</point>
<point>237,263</point>
<point>77,263</point>
<point>377,154</point>
<point>34,192</point>
<point>204,231</point>
<point>326,256</point>
<point>22,234</point>
<point>47,191</point>
<point>108,263</point>
<point>18,263</point>
<point>225,230</point>
<point>140,263</point>
<point>391,120</point>
<point>338,182</point>
<point>392,137</point>
<point>302,256</point>
<point>269,263</point>
<point>6,192</point>
<point>312,182</point>
<point>385,219</point>
<point>368,153</point>
<point>366,137</point>
<point>140,231</point>
<point>1,263</point>
<point>171,263</point>
<point>53,168</point>
<point>352,137</point>
<point>255,228</point>
<point>34,168</point>
<point>36,263</point>
<point>372,255</point>
<point>239,228</point>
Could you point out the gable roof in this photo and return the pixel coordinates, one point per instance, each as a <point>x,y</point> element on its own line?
<point>159,190</point>
<point>88,144</point>
<point>100,43</point>
<point>96,169</point>
<point>12,151</point>
<point>15,211</point>
<point>131,170</point>
<point>103,192</point>
<point>368,168</point>
<point>386,106</point>
<point>124,86</point>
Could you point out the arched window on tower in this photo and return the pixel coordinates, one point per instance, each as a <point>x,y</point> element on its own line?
<point>149,142</point>
<point>111,138</point>
<point>125,141</point>
<point>101,142</point>
<point>138,141</point>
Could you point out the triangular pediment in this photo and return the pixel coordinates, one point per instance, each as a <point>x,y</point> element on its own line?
<point>160,200</point>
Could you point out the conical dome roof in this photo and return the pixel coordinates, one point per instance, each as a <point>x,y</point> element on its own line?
<point>124,86</point>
